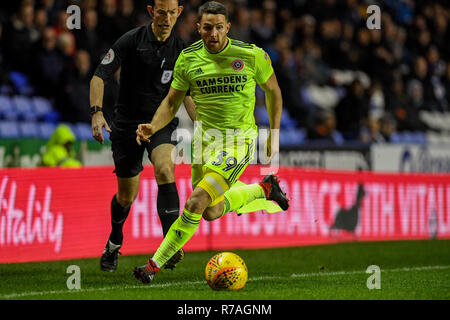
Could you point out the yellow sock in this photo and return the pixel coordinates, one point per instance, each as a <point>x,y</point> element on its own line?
<point>179,233</point>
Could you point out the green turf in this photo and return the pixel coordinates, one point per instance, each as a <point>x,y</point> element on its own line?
<point>410,270</point>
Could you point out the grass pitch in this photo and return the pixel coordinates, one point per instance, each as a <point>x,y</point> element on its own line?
<point>409,270</point>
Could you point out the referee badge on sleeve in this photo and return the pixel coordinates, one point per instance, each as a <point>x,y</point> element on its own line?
<point>166,76</point>
<point>109,57</point>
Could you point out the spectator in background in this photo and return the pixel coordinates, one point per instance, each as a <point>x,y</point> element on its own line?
<point>187,27</point>
<point>87,38</point>
<point>324,128</point>
<point>52,8</point>
<point>263,27</point>
<point>240,29</point>
<point>75,91</point>
<point>62,32</point>
<point>404,112</point>
<point>362,51</point>
<point>387,127</point>
<point>352,111</point>
<point>59,149</point>
<point>48,65</point>
<point>126,18</point>
<point>20,35</point>
<point>446,82</point>
<point>107,27</point>
<point>306,28</point>
<point>40,19</point>
<point>329,42</point>
<point>419,86</point>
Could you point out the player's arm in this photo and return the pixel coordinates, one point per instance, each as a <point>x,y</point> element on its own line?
<point>163,115</point>
<point>274,105</point>
<point>190,107</point>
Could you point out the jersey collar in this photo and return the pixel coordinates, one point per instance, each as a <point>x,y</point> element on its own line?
<point>221,51</point>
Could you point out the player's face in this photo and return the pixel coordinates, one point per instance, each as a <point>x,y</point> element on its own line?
<point>165,14</point>
<point>213,29</point>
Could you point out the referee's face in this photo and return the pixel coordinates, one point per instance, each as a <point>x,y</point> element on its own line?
<point>165,14</point>
<point>213,29</point>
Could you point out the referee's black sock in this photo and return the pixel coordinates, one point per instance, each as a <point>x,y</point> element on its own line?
<point>118,216</point>
<point>168,205</point>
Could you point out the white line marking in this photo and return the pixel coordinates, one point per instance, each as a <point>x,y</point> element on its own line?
<point>187,283</point>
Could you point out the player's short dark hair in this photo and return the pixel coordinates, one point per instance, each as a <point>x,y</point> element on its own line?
<point>213,7</point>
<point>152,2</point>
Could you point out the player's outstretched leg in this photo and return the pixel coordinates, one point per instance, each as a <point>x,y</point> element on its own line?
<point>272,191</point>
<point>147,272</point>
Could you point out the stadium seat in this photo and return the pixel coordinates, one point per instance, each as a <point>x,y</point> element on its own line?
<point>396,138</point>
<point>46,129</point>
<point>292,137</point>
<point>83,131</point>
<point>261,116</point>
<point>7,110</point>
<point>21,82</point>
<point>29,129</point>
<point>41,106</point>
<point>9,130</point>
<point>24,108</point>
<point>286,121</point>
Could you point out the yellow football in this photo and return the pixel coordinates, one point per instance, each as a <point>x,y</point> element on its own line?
<point>226,271</point>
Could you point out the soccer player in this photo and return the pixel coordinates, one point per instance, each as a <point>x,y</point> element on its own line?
<point>221,74</point>
<point>147,56</point>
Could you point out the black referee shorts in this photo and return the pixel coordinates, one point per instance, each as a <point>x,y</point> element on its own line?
<point>127,154</point>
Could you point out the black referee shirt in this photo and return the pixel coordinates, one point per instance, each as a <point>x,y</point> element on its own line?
<point>146,74</point>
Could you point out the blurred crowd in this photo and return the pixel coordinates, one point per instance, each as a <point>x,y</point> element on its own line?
<point>339,79</point>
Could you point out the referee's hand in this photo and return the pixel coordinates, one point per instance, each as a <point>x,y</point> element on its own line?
<point>144,132</point>
<point>98,122</point>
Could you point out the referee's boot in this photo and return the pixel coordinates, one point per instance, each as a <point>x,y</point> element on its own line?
<point>177,257</point>
<point>109,259</point>
<point>272,191</point>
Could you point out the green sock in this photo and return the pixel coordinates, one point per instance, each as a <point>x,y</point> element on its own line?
<point>179,233</point>
<point>238,196</point>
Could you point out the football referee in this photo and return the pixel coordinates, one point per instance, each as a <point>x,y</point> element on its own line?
<point>147,56</point>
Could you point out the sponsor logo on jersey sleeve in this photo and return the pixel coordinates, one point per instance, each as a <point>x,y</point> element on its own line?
<point>267,57</point>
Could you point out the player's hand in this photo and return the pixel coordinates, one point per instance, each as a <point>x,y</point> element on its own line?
<point>97,124</point>
<point>144,132</point>
<point>272,146</point>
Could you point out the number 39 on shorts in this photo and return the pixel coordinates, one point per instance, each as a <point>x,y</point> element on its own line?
<point>224,162</point>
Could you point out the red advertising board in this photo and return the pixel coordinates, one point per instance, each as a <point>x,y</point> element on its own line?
<point>53,214</point>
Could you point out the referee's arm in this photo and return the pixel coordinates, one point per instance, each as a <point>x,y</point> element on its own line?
<point>97,87</point>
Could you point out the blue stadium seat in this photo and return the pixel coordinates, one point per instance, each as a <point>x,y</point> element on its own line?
<point>262,118</point>
<point>9,130</point>
<point>7,110</point>
<point>21,82</point>
<point>46,129</point>
<point>292,137</point>
<point>286,121</point>
<point>29,129</point>
<point>420,137</point>
<point>83,131</point>
<point>41,106</point>
<point>24,108</point>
